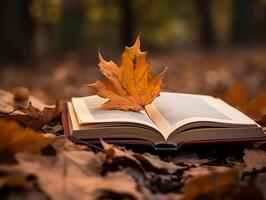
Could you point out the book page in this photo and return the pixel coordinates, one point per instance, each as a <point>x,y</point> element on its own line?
<point>172,110</point>
<point>87,111</point>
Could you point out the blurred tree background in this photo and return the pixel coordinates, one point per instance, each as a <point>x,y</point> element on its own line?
<point>37,29</point>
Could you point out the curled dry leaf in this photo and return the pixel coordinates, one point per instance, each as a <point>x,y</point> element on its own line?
<point>131,86</point>
<point>155,164</point>
<point>117,156</point>
<point>33,118</point>
<point>14,138</point>
<point>255,160</point>
<point>143,161</point>
<point>8,103</point>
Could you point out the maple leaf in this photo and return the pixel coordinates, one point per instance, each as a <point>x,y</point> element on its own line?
<point>130,86</point>
<point>14,138</point>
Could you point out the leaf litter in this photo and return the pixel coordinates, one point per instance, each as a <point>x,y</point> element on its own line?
<point>78,172</point>
<point>60,169</point>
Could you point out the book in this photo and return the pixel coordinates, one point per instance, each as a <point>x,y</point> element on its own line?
<point>172,118</point>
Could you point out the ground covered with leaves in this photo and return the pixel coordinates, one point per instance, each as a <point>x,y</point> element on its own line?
<point>193,71</point>
<point>38,162</point>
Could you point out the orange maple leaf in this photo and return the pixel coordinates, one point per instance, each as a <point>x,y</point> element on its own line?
<point>131,86</point>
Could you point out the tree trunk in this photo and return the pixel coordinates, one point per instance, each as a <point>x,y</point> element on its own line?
<point>70,27</point>
<point>242,22</point>
<point>207,35</point>
<point>16,29</point>
<point>127,24</point>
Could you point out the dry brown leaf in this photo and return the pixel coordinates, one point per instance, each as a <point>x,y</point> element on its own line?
<point>33,118</point>
<point>155,164</point>
<point>67,145</point>
<point>171,196</point>
<point>72,175</point>
<point>203,171</point>
<point>117,156</point>
<point>189,158</point>
<point>255,160</point>
<point>16,180</point>
<point>17,185</point>
<point>8,103</point>
<point>131,86</point>
<point>15,138</point>
<point>203,186</point>
<point>258,106</point>
<point>142,161</point>
<point>239,98</point>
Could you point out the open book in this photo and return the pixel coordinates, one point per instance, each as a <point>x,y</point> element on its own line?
<point>172,118</point>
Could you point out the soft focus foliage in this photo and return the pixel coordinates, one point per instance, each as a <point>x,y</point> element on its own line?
<point>15,138</point>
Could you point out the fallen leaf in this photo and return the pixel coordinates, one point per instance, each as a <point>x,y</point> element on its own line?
<point>171,196</point>
<point>155,164</point>
<point>67,145</point>
<point>254,159</point>
<point>14,138</point>
<point>228,191</point>
<point>19,186</point>
<point>130,86</point>
<point>74,177</point>
<point>33,118</point>
<point>189,158</point>
<point>142,161</point>
<point>7,103</point>
<point>219,185</point>
<point>203,171</point>
<point>258,106</point>
<point>162,183</point>
<point>55,129</point>
<point>239,98</point>
<point>13,181</point>
<point>117,156</point>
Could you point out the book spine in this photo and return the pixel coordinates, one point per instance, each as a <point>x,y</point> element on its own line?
<point>64,119</point>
